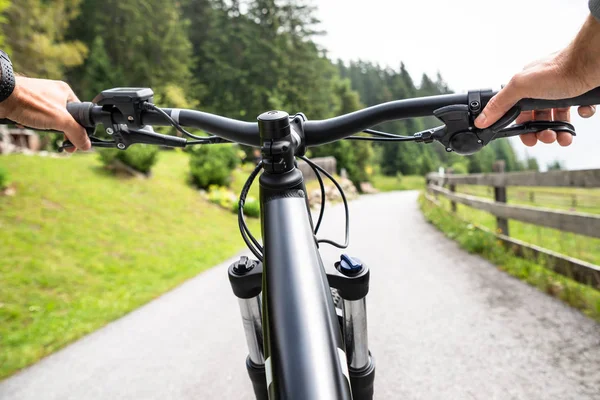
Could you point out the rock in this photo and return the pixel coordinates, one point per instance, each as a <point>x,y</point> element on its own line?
<point>367,188</point>
<point>9,191</point>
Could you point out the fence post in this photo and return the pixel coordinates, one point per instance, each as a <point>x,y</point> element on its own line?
<point>500,197</point>
<point>452,188</point>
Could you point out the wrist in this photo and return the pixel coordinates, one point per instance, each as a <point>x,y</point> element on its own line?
<point>7,77</point>
<point>582,56</point>
<point>8,106</point>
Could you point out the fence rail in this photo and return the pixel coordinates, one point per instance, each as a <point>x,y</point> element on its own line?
<point>567,221</point>
<point>582,179</point>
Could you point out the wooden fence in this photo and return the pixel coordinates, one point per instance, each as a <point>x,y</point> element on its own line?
<point>567,221</point>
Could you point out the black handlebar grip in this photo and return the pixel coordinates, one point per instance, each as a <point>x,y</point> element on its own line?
<point>82,113</point>
<point>590,98</point>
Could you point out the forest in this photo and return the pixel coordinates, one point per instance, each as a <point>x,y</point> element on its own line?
<point>236,58</point>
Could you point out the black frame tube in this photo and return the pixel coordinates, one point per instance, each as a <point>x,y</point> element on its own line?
<point>303,343</point>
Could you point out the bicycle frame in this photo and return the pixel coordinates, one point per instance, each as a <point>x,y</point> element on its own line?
<point>304,351</point>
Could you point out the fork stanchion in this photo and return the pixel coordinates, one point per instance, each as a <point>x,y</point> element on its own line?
<point>351,278</point>
<point>245,276</point>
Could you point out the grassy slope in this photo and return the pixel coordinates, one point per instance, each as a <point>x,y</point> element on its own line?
<point>485,244</point>
<point>582,247</point>
<point>79,248</point>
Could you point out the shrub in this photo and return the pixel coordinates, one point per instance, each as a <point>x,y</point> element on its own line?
<point>3,178</point>
<point>251,207</point>
<point>225,198</point>
<point>221,196</point>
<point>212,165</point>
<point>140,157</point>
<point>460,168</point>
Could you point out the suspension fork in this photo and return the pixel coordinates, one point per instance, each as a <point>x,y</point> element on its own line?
<point>352,284</point>
<point>245,276</point>
<point>351,278</point>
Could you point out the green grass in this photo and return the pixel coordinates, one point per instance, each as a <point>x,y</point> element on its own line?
<point>480,242</point>
<point>239,178</point>
<point>573,199</point>
<point>578,246</point>
<point>79,247</point>
<point>390,183</point>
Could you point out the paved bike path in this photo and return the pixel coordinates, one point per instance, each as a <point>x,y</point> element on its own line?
<point>442,324</point>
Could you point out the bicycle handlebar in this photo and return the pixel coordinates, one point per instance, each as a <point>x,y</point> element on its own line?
<point>590,98</point>
<point>320,132</point>
<point>316,132</point>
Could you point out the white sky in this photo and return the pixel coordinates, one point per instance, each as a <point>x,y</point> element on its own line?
<point>473,44</point>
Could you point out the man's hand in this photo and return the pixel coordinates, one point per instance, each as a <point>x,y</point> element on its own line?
<point>42,104</point>
<point>569,73</point>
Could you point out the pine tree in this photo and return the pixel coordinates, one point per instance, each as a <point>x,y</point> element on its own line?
<point>354,156</point>
<point>34,32</point>
<point>4,4</point>
<point>98,71</point>
<point>555,165</point>
<point>146,40</point>
<point>532,164</point>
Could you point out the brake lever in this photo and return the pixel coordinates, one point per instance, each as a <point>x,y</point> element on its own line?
<point>96,142</point>
<point>125,137</point>
<point>535,127</point>
<point>460,135</point>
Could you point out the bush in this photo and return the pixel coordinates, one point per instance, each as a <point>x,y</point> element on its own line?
<point>3,178</point>
<point>225,198</point>
<point>251,207</point>
<point>140,157</point>
<point>460,168</point>
<point>222,196</point>
<point>212,165</point>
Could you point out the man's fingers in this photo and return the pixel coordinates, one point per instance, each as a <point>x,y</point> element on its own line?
<point>587,111</point>
<point>499,105</point>
<point>529,139</point>
<point>562,114</point>
<point>524,117</point>
<point>546,136</point>
<point>75,132</point>
<point>564,138</point>
<point>542,115</point>
<point>69,149</point>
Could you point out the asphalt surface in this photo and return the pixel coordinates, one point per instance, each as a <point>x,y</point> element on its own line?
<point>442,325</point>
